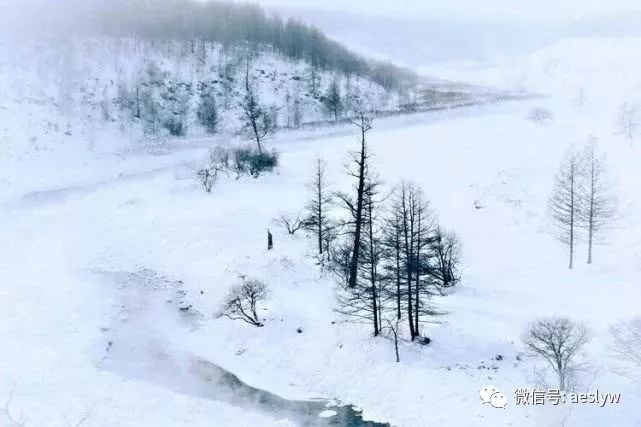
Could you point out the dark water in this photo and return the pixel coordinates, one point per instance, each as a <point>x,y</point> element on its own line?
<point>136,348</point>
<point>229,388</point>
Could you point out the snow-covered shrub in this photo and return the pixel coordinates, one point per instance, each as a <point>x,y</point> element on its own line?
<point>290,223</point>
<point>240,161</point>
<point>207,177</point>
<point>249,161</point>
<point>242,302</point>
<point>539,115</point>
<point>220,160</point>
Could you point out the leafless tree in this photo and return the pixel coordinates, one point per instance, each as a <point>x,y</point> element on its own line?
<point>394,267</point>
<point>409,262</point>
<point>564,201</point>
<point>290,224</point>
<point>392,327</point>
<point>446,254</point>
<point>207,178</point>
<point>242,302</point>
<point>361,159</point>
<point>597,207</point>
<point>318,220</point>
<point>628,122</point>
<point>557,341</point>
<point>257,123</point>
<point>626,347</point>
<point>365,300</point>
<point>220,159</point>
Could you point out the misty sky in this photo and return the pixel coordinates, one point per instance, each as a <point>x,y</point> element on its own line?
<point>416,33</point>
<point>548,10</point>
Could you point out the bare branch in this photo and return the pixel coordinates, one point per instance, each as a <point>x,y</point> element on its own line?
<point>557,341</point>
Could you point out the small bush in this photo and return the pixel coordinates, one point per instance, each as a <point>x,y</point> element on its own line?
<point>220,160</point>
<point>540,115</point>
<point>248,161</point>
<point>242,302</point>
<point>262,162</point>
<point>207,178</point>
<point>175,126</point>
<point>240,161</point>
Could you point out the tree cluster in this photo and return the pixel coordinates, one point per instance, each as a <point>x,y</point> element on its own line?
<point>387,250</point>
<point>582,204</point>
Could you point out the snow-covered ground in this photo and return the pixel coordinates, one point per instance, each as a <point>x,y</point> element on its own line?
<point>99,253</point>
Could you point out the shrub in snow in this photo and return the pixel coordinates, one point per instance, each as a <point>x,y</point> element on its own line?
<point>242,302</point>
<point>249,161</point>
<point>540,115</point>
<point>220,160</point>
<point>175,126</point>
<point>290,224</point>
<point>241,161</point>
<point>207,177</point>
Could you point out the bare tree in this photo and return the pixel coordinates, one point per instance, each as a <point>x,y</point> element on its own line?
<point>364,123</point>
<point>626,347</point>
<point>220,159</point>
<point>597,207</point>
<point>564,201</point>
<point>242,301</point>
<point>446,253</point>
<point>290,224</point>
<point>207,177</point>
<point>258,124</point>
<point>392,326</point>
<point>412,224</point>
<point>557,341</point>
<point>318,220</point>
<point>365,300</point>
<point>628,122</point>
<point>393,247</point>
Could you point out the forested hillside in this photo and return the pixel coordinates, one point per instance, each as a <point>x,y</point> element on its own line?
<point>182,68</point>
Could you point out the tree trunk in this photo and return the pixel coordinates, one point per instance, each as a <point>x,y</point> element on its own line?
<point>353,269</point>
<point>319,191</point>
<point>573,177</point>
<point>398,279</point>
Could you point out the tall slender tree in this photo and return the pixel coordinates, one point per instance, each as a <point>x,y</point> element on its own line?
<point>597,202</point>
<point>318,220</point>
<point>365,300</point>
<point>257,123</point>
<point>564,201</point>
<point>364,123</point>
